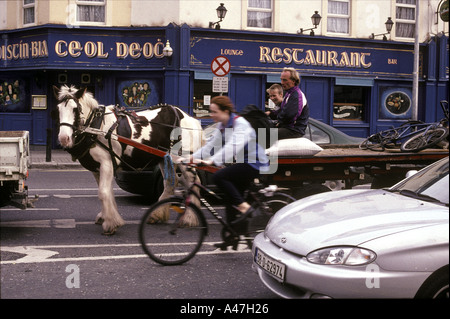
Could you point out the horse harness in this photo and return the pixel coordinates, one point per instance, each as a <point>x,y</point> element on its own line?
<point>84,140</point>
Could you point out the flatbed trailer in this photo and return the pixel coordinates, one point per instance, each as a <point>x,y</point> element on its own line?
<point>338,167</point>
<point>335,167</point>
<point>14,163</point>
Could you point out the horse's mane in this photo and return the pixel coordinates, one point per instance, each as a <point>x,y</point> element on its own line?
<point>69,92</point>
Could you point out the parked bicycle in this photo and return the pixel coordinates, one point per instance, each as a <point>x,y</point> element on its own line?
<point>412,136</point>
<point>173,242</point>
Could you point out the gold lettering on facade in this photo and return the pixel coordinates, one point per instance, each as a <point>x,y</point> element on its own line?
<point>101,51</point>
<point>231,52</point>
<point>135,50</point>
<point>332,58</point>
<point>90,48</point>
<point>159,46</point>
<point>74,49</point>
<point>121,50</point>
<point>23,50</point>
<point>287,55</point>
<point>147,50</point>
<point>61,48</point>
<point>277,56</point>
<point>324,58</point>
<point>264,55</point>
<point>295,56</point>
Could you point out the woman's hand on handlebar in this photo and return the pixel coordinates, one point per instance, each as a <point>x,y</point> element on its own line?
<point>203,162</point>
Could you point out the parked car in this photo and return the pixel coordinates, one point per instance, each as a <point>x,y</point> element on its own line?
<point>384,243</point>
<point>323,134</point>
<point>150,183</point>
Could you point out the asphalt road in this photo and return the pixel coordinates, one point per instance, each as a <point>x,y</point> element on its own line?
<point>56,251</point>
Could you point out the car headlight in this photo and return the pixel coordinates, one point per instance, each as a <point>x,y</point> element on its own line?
<point>351,256</point>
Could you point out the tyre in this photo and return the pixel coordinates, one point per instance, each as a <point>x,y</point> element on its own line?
<point>258,222</point>
<point>436,286</point>
<point>425,140</point>
<point>373,143</point>
<point>175,240</point>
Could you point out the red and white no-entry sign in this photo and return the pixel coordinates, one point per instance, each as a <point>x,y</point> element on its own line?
<point>220,66</point>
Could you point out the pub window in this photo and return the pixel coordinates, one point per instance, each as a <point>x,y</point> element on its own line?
<point>91,10</point>
<point>13,96</point>
<point>349,102</point>
<point>203,93</point>
<point>259,14</point>
<point>338,19</point>
<point>405,16</point>
<point>28,11</point>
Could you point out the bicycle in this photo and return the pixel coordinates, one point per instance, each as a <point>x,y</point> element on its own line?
<point>173,242</point>
<point>429,137</point>
<point>412,136</point>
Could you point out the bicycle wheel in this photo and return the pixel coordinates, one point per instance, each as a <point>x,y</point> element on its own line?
<point>373,143</point>
<point>425,140</point>
<point>270,205</point>
<point>174,241</point>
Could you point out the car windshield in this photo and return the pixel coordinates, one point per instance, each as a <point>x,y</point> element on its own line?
<point>430,183</point>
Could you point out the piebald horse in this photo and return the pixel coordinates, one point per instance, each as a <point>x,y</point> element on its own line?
<point>101,154</point>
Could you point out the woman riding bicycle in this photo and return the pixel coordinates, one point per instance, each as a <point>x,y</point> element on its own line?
<point>234,141</point>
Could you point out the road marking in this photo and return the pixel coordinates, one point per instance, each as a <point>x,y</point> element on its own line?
<point>28,209</point>
<point>42,254</point>
<point>41,223</point>
<point>33,255</point>
<point>68,189</point>
<point>55,223</point>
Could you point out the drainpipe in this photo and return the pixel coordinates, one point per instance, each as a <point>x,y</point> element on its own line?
<point>415,89</point>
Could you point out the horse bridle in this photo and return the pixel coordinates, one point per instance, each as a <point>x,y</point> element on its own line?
<point>74,126</point>
<point>77,126</point>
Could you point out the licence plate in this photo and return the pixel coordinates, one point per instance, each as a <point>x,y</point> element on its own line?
<point>272,266</point>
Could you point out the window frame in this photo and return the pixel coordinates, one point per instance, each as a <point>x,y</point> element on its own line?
<point>363,107</point>
<point>400,21</point>
<point>263,10</point>
<point>340,16</point>
<point>93,3</point>
<point>27,6</point>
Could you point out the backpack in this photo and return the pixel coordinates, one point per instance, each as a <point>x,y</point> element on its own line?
<point>258,120</point>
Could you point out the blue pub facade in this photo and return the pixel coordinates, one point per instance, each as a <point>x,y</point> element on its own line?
<point>359,86</point>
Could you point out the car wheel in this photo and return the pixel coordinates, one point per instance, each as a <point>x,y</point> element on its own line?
<point>436,286</point>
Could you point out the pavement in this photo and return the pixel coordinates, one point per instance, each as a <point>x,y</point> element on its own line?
<point>57,158</point>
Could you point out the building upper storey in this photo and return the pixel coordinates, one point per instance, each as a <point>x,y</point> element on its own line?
<point>339,18</point>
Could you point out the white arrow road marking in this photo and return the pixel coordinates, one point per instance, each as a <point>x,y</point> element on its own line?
<point>41,254</point>
<point>33,255</point>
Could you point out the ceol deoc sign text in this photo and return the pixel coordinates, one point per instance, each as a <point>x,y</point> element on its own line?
<point>25,52</point>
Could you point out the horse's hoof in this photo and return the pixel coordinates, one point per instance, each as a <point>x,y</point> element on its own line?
<point>152,220</point>
<point>109,233</point>
<point>99,221</point>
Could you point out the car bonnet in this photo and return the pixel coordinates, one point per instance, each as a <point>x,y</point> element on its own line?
<point>349,218</point>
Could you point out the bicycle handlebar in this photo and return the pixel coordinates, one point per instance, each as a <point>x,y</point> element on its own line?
<point>201,165</point>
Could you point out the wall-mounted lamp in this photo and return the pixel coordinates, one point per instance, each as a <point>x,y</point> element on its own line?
<point>167,51</point>
<point>221,13</point>
<point>389,23</point>
<point>315,18</point>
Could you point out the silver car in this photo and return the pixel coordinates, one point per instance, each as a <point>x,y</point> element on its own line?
<point>385,243</point>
